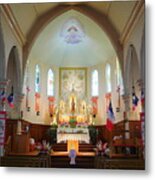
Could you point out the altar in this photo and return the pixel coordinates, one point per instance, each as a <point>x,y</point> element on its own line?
<point>73,136</point>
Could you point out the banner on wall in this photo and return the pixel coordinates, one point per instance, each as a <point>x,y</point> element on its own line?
<point>107,100</point>
<point>95,105</point>
<point>51,100</point>
<point>37,103</point>
<point>2,127</point>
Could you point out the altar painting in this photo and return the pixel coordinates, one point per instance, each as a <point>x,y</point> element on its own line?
<point>73,78</point>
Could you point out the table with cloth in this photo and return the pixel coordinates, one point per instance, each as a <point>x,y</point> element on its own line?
<point>73,136</point>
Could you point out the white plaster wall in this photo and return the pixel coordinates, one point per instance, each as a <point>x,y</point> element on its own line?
<point>44,117</point>
<point>102,116</point>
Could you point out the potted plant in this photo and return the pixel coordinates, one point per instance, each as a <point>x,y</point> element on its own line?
<point>93,134</point>
<point>52,133</point>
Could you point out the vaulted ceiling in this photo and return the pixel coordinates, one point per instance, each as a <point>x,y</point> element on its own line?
<point>117,11</point>
<point>51,48</point>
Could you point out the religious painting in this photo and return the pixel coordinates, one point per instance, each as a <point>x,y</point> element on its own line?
<point>73,79</point>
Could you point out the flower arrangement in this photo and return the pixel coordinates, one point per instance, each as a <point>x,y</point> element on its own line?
<point>43,147</point>
<point>72,123</point>
<point>64,124</point>
<point>82,125</point>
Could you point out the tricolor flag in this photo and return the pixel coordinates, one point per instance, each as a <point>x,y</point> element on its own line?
<point>11,99</point>
<point>142,98</point>
<point>3,96</point>
<point>110,118</point>
<point>135,99</point>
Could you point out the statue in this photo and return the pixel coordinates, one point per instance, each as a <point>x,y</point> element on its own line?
<point>72,105</point>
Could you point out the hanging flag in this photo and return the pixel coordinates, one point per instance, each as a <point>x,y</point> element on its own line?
<point>110,118</point>
<point>11,99</point>
<point>3,96</point>
<point>107,97</point>
<point>95,105</point>
<point>135,99</point>
<point>142,98</point>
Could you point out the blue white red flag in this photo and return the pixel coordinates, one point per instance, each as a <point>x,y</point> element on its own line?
<point>135,101</point>
<point>110,118</point>
<point>142,97</point>
<point>11,100</point>
<point>3,96</point>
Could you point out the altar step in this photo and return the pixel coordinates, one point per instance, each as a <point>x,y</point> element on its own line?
<point>64,162</point>
<point>82,147</point>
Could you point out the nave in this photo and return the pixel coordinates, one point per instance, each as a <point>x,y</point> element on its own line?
<point>72,85</point>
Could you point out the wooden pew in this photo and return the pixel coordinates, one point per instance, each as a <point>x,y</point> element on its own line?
<point>25,161</point>
<point>126,148</point>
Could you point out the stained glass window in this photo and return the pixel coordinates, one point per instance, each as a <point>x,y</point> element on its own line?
<point>95,83</point>
<point>37,79</point>
<point>50,83</point>
<point>108,77</point>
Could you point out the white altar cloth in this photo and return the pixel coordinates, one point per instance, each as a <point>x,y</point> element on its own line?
<point>76,134</point>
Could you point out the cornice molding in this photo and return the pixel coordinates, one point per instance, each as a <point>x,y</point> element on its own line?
<point>134,18</point>
<point>6,9</point>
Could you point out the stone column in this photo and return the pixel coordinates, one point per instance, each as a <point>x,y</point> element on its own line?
<point>126,99</point>
<point>18,102</point>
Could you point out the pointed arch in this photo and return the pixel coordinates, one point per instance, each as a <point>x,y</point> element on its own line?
<point>119,77</point>
<point>108,78</point>
<point>95,83</point>
<point>50,83</point>
<point>13,70</point>
<point>37,78</point>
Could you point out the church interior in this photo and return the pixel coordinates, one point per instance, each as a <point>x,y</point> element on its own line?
<point>72,85</point>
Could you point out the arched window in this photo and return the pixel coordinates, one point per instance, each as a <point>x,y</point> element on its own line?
<point>108,77</point>
<point>50,83</point>
<point>95,83</point>
<point>37,79</point>
<point>119,78</point>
